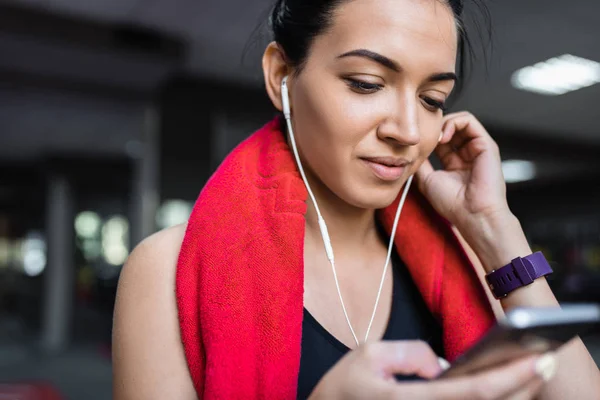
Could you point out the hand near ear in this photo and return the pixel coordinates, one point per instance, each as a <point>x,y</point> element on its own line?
<point>470,185</point>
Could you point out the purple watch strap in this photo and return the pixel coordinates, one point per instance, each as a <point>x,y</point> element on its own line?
<point>520,272</point>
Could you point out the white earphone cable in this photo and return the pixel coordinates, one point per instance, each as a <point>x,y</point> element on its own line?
<point>389,252</point>
<point>323,226</point>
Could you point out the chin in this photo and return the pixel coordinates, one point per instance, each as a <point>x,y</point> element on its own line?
<point>374,199</point>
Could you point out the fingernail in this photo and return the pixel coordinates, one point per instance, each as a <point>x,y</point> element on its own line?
<point>443,363</point>
<point>546,366</point>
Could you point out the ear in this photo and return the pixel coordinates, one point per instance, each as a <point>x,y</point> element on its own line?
<point>274,69</point>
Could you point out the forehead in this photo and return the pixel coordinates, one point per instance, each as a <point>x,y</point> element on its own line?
<point>416,33</point>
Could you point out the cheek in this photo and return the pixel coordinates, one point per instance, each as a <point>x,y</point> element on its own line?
<point>431,128</point>
<point>330,121</point>
<point>362,112</point>
<point>317,123</point>
<point>330,126</point>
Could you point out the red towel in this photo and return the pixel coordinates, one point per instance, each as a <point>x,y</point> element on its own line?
<point>240,274</point>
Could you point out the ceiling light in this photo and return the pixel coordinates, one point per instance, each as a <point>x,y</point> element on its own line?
<point>115,240</point>
<point>34,254</point>
<point>557,75</point>
<point>87,224</point>
<point>173,212</point>
<point>518,170</point>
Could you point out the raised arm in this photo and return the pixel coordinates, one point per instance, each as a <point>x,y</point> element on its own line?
<point>471,193</point>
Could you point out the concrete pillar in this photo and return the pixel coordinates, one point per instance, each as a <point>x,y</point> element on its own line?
<point>145,178</point>
<point>59,275</point>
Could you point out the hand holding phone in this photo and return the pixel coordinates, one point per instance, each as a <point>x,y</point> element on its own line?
<point>525,332</point>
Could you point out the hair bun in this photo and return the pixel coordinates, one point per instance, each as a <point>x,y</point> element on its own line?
<point>278,14</point>
<point>457,6</point>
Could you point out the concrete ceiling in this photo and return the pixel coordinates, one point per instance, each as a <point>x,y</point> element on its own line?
<point>217,32</point>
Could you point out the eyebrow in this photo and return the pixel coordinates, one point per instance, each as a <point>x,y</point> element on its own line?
<point>394,66</point>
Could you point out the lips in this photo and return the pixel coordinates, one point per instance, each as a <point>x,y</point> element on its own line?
<point>388,161</point>
<point>386,168</point>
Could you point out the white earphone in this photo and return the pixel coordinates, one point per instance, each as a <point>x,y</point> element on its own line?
<point>323,227</point>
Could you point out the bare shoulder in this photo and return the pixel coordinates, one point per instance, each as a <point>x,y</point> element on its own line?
<point>150,269</point>
<point>164,244</point>
<point>148,358</point>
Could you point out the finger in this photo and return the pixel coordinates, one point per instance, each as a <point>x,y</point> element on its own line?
<point>403,358</point>
<point>443,150</point>
<point>453,115</point>
<point>463,116</point>
<point>498,383</point>
<point>468,138</point>
<point>530,391</point>
<point>423,173</point>
<point>445,136</point>
<point>443,363</point>
<point>459,142</point>
<point>449,157</point>
<point>471,148</point>
<point>454,138</point>
<point>464,125</point>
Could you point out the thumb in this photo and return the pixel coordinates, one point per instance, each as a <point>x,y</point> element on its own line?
<point>423,173</point>
<point>498,383</point>
<point>404,358</point>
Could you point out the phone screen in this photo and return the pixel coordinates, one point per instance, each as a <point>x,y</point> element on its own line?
<point>525,332</point>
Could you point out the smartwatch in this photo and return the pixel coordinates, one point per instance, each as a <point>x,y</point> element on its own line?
<point>521,271</point>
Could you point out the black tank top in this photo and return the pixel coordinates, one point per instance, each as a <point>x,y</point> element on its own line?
<point>410,319</point>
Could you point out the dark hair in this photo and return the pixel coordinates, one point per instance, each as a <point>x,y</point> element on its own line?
<point>296,23</point>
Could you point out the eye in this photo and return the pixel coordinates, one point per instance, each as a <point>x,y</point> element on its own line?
<point>363,87</point>
<point>434,105</point>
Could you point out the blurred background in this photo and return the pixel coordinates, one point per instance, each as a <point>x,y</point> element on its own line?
<point>113,114</point>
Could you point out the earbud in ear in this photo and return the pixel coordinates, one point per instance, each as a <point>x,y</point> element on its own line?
<point>285,98</point>
<point>441,136</point>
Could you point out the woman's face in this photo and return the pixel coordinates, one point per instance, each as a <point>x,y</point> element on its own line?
<point>366,106</point>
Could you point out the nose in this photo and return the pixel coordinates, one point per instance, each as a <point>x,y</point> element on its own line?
<point>401,124</point>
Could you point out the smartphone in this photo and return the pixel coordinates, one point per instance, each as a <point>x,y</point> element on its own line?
<point>526,331</point>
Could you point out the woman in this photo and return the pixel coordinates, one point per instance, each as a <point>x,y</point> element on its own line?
<point>247,301</point>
